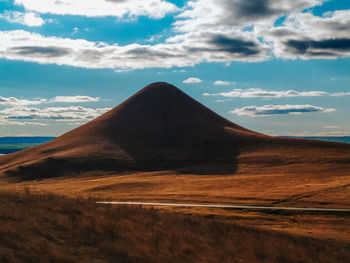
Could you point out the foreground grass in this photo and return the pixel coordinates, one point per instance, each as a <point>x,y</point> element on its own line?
<point>52,228</point>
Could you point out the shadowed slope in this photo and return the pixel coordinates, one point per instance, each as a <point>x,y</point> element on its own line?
<point>160,127</point>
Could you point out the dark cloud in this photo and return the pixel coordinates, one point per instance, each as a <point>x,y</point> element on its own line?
<point>49,51</point>
<point>337,25</point>
<point>237,13</point>
<point>91,56</point>
<point>20,117</point>
<point>307,46</point>
<point>39,117</point>
<point>253,8</point>
<point>321,54</point>
<point>149,52</point>
<point>286,111</point>
<point>231,45</point>
<point>268,110</point>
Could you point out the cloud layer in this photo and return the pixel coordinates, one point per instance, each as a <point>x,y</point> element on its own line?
<point>268,94</point>
<point>51,113</point>
<point>223,83</point>
<point>28,19</point>
<point>269,110</point>
<point>203,31</point>
<point>180,51</point>
<point>307,36</point>
<point>208,14</point>
<point>93,8</point>
<point>16,111</point>
<point>12,101</point>
<point>192,80</point>
<point>339,94</point>
<point>74,99</point>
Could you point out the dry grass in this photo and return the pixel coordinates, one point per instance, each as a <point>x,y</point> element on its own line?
<point>51,228</point>
<point>281,187</point>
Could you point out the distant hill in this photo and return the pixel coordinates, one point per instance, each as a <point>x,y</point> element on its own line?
<point>25,139</point>
<point>162,128</point>
<point>342,139</point>
<point>14,144</point>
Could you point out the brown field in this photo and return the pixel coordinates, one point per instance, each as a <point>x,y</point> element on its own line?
<point>51,228</point>
<point>278,188</point>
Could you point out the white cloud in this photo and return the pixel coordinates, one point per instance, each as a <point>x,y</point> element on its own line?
<point>29,19</point>
<point>260,93</point>
<point>222,83</point>
<point>332,127</point>
<point>93,8</point>
<point>268,110</point>
<point>51,113</point>
<point>207,31</point>
<point>32,19</point>
<point>204,14</point>
<point>122,70</point>
<point>223,100</point>
<point>154,38</point>
<point>74,99</point>
<point>20,123</point>
<point>74,123</point>
<point>187,50</point>
<point>221,45</point>
<point>12,101</point>
<point>192,80</point>
<point>301,35</point>
<point>307,36</point>
<point>341,94</point>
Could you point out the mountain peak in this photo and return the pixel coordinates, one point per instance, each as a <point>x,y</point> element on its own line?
<point>162,106</point>
<point>157,92</point>
<point>158,127</point>
<point>158,86</point>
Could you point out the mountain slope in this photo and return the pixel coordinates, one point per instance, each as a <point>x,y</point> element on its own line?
<point>160,127</point>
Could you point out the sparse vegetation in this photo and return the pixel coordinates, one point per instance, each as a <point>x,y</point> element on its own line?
<point>52,228</point>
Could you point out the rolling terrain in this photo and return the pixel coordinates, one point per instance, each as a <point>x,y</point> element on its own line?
<point>51,228</point>
<point>162,128</point>
<point>160,145</point>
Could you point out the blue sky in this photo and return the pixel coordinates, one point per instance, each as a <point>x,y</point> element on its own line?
<point>277,67</point>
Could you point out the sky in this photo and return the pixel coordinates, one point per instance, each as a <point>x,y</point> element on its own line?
<point>279,67</point>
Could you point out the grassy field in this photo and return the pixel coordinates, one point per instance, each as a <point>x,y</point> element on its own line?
<point>280,190</point>
<point>52,228</point>
<point>65,225</point>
